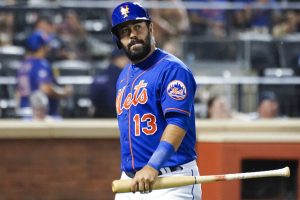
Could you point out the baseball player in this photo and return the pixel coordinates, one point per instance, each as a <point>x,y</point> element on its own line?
<point>155,110</point>
<point>36,74</point>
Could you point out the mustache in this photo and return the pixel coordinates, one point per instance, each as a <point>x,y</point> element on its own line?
<point>133,42</point>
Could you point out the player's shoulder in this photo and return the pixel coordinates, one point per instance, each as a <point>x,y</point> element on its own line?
<point>173,62</point>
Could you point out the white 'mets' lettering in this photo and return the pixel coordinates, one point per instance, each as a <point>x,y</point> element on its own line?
<point>139,96</point>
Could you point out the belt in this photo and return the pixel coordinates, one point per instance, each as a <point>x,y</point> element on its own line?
<point>162,171</point>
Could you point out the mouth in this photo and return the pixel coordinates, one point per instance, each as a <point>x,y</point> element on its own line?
<point>136,44</point>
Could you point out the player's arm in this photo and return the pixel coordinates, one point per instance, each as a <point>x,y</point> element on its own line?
<point>46,84</point>
<point>170,141</point>
<point>176,129</point>
<point>17,99</point>
<point>54,91</point>
<point>174,135</point>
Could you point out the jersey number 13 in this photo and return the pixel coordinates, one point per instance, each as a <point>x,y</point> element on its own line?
<point>150,127</point>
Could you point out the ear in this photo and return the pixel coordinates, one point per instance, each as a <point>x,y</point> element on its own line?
<point>151,27</point>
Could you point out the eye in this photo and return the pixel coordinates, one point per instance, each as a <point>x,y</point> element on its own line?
<point>137,27</point>
<point>124,31</point>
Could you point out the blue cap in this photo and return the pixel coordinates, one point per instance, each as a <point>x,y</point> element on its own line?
<point>37,39</point>
<point>128,11</point>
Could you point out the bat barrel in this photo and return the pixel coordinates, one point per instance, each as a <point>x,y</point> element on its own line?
<point>120,186</point>
<point>284,172</point>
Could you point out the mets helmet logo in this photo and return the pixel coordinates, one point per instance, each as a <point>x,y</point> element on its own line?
<point>176,90</point>
<point>124,11</point>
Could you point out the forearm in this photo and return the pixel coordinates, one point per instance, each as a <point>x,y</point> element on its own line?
<point>54,91</point>
<point>170,141</point>
<point>174,135</point>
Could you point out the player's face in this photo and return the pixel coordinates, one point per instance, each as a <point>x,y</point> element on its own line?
<point>136,40</point>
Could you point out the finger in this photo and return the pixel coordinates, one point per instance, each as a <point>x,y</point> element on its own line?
<point>141,186</point>
<point>133,187</point>
<point>151,182</point>
<point>147,186</point>
<point>150,186</point>
<point>136,188</point>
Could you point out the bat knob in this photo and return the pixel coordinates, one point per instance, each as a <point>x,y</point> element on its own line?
<point>113,187</point>
<point>119,186</point>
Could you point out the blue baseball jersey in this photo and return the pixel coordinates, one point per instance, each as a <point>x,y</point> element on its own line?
<point>30,76</point>
<point>146,92</point>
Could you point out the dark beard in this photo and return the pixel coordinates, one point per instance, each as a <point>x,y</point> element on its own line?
<point>139,55</point>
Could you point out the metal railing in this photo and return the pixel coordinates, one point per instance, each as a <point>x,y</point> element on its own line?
<point>148,4</point>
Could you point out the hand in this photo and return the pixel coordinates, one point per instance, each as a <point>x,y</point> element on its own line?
<point>144,179</point>
<point>68,90</point>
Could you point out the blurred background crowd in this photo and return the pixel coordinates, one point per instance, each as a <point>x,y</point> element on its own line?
<point>245,55</point>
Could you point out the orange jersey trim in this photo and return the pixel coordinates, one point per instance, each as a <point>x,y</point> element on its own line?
<point>184,111</point>
<point>129,111</point>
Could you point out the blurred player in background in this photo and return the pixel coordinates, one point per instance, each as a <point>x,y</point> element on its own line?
<point>155,110</point>
<point>102,90</point>
<point>39,104</point>
<point>36,74</point>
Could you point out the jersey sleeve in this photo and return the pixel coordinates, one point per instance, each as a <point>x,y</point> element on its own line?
<point>177,90</point>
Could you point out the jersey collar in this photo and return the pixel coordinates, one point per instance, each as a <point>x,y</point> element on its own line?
<point>151,60</point>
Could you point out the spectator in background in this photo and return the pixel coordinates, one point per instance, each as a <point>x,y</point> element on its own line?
<point>45,24</point>
<point>208,22</point>
<point>257,20</point>
<point>241,20</point>
<point>6,28</point>
<point>169,25</point>
<point>102,90</point>
<point>218,108</point>
<point>268,106</point>
<point>36,74</point>
<point>57,47</point>
<point>74,36</point>
<point>290,24</point>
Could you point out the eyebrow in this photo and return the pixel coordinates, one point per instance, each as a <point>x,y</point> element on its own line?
<point>131,24</point>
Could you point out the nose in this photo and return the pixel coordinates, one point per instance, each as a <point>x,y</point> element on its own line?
<point>133,33</point>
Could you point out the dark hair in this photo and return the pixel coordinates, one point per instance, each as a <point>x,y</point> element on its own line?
<point>210,103</point>
<point>43,18</point>
<point>267,95</point>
